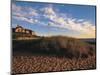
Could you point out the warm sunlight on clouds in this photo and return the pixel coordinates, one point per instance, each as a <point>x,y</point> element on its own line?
<point>87,35</point>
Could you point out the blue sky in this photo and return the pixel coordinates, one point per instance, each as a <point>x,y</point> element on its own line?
<point>48,19</point>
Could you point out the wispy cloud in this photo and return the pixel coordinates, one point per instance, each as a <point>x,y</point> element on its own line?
<point>32,12</point>
<point>79,25</point>
<point>49,10</point>
<point>16,8</point>
<point>25,19</point>
<point>20,14</point>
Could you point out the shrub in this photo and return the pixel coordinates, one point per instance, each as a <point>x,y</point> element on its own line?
<point>63,46</point>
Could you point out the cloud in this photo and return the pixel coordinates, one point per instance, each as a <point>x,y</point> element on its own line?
<point>84,27</point>
<point>48,10</point>
<point>79,25</point>
<point>32,12</point>
<point>16,8</point>
<point>19,13</point>
<point>32,21</point>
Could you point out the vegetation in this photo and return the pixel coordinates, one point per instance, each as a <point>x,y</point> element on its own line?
<point>68,47</point>
<point>57,53</point>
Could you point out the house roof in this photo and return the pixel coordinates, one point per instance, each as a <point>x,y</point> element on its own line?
<point>19,26</point>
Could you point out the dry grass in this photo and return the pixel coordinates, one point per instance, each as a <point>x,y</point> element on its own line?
<point>52,54</point>
<point>31,64</point>
<point>69,47</point>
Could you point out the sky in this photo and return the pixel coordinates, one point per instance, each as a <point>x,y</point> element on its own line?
<point>52,19</point>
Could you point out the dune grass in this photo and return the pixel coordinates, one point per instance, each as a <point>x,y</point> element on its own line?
<point>48,54</point>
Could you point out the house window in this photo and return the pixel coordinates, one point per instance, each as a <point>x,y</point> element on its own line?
<point>27,32</point>
<point>23,30</point>
<point>33,33</point>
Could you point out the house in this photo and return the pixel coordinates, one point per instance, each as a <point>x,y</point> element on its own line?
<point>20,29</point>
<point>21,32</point>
